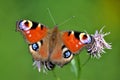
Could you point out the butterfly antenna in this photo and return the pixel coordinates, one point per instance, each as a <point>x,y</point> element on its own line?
<point>67,20</point>
<point>51,16</point>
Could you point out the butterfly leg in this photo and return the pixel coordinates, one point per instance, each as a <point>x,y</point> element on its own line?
<point>48,65</point>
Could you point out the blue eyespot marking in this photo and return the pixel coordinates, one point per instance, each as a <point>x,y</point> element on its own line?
<point>35,46</point>
<point>67,54</point>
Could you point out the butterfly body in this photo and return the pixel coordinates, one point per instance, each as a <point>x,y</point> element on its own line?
<point>50,46</point>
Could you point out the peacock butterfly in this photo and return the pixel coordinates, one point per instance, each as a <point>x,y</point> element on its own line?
<point>51,47</point>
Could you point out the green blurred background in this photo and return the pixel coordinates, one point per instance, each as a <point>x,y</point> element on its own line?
<point>15,60</point>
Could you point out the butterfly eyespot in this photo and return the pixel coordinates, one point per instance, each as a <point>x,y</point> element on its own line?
<point>85,38</point>
<point>35,46</point>
<point>25,25</point>
<point>67,54</point>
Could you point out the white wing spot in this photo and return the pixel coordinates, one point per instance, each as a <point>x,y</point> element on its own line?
<point>76,45</point>
<point>28,32</point>
<point>39,25</point>
<point>80,43</point>
<point>72,32</point>
<point>30,35</point>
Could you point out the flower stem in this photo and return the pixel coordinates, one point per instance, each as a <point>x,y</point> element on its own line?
<point>79,68</point>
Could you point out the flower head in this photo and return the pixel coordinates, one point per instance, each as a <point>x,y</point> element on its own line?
<point>96,48</point>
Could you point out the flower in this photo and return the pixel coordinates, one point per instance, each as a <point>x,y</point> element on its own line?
<point>96,48</point>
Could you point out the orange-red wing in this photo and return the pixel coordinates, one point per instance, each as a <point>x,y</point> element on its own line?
<point>72,42</point>
<point>34,35</point>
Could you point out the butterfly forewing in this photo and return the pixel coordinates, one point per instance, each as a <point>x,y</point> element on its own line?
<point>32,31</point>
<point>72,41</point>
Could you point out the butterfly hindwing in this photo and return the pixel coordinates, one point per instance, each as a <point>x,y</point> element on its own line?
<point>40,50</point>
<point>60,53</point>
